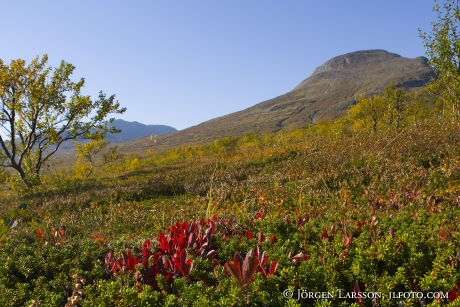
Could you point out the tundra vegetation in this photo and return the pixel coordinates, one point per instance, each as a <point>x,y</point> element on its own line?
<point>367,203</point>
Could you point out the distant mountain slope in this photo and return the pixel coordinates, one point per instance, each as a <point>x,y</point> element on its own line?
<point>134,130</point>
<point>129,131</point>
<point>327,93</point>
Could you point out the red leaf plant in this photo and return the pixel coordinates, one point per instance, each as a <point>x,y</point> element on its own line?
<point>41,236</point>
<point>244,269</point>
<point>298,258</point>
<point>357,290</point>
<point>347,240</point>
<point>57,236</point>
<point>265,268</point>
<point>301,221</point>
<point>249,235</point>
<point>261,237</point>
<point>325,234</point>
<point>454,294</point>
<point>126,262</point>
<point>171,258</point>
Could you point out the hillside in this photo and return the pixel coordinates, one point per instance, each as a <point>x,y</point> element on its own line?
<point>327,93</point>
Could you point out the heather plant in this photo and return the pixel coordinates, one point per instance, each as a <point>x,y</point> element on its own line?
<point>39,270</point>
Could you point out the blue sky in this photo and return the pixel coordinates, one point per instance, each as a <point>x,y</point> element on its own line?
<point>180,63</point>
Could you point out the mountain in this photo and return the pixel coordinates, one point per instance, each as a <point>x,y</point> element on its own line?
<point>327,93</point>
<point>134,130</point>
<point>129,132</point>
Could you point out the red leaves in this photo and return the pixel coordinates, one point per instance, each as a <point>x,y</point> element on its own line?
<point>181,264</point>
<point>100,239</point>
<point>146,248</point>
<point>259,215</point>
<point>126,262</point>
<point>244,269</point>
<point>360,225</point>
<point>261,238</point>
<point>41,236</point>
<point>58,233</point>
<point>443,234</point>
<point>359,298</point>
<point>266,270</point>
<point>270,269</point>
<point>298,258</point>
<point>454,294</point>
<point>171,265</point>
<point>57,236</point>
<point>110,262</point>
<point>301,221</point>
<point>324,235</point>
<point>171,257</point>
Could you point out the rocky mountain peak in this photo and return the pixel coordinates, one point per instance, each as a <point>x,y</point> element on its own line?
<point>363,57</point>
<point>372,67</point>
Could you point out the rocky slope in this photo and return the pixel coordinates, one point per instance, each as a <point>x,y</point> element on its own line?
<point>327,93</point>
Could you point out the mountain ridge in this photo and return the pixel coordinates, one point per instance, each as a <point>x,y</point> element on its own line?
<point>133,130</point>
<point>327,93</point>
